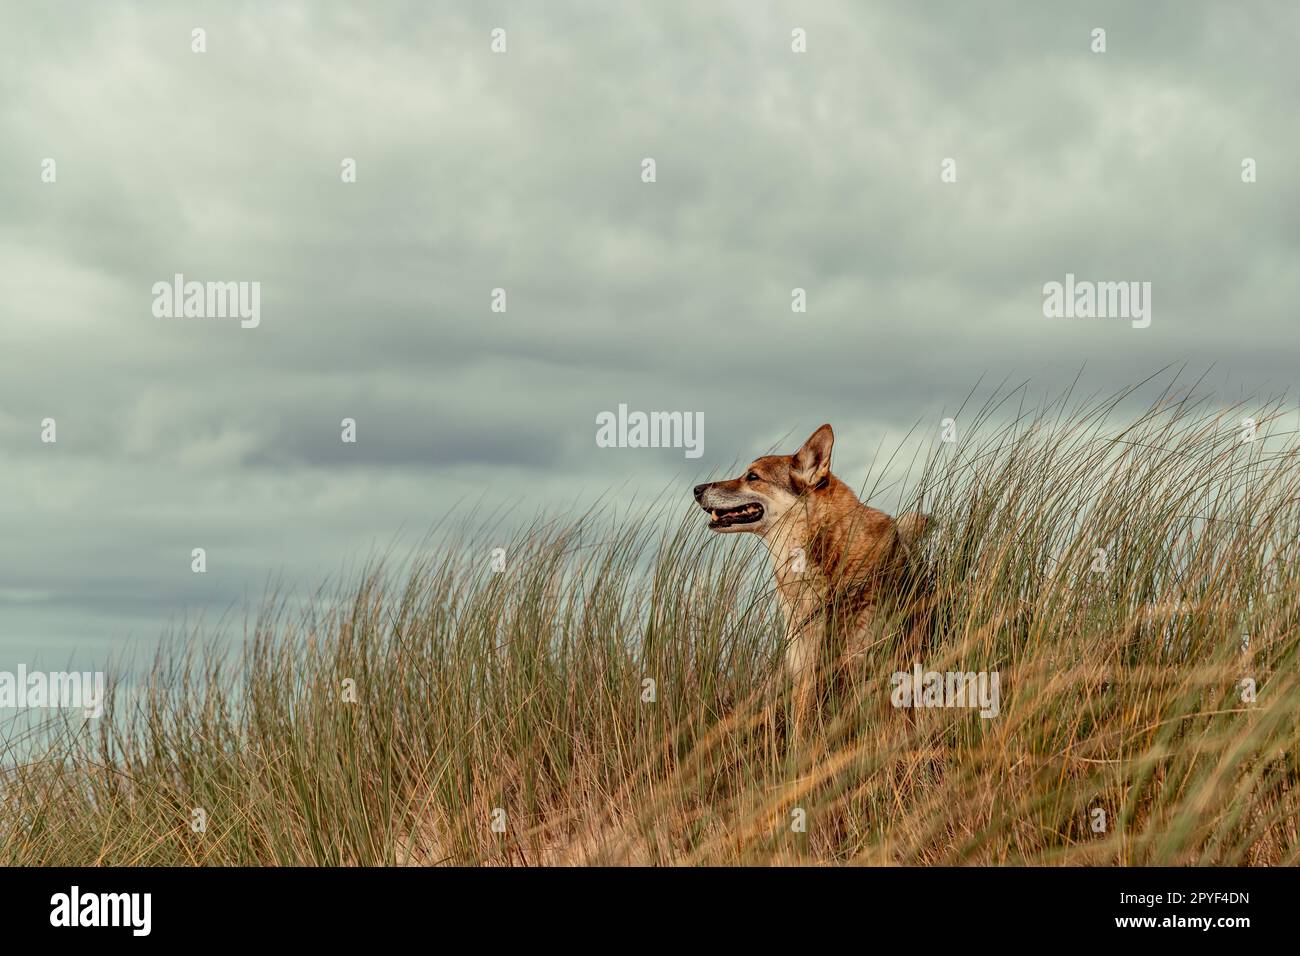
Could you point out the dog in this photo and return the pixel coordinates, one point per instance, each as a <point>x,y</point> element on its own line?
<point>838,563</point>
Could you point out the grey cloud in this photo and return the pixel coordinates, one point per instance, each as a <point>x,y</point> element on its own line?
<point>521,171</point>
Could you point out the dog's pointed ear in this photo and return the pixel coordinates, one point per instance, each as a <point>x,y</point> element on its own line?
<point>811,464</point>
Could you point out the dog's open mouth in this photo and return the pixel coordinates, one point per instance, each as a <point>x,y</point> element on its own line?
<point>726,517</point>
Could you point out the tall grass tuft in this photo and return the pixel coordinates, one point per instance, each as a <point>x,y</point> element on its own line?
<point>614,695</point>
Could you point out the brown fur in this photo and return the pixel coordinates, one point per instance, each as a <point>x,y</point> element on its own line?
<point>837,561</point>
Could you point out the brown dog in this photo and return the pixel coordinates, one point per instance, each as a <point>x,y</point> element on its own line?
<point>837,561</point>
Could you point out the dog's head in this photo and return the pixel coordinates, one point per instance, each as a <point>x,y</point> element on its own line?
<point>769,487</point>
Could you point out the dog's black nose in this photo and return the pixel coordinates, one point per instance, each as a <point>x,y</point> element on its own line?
<point>699,490</point>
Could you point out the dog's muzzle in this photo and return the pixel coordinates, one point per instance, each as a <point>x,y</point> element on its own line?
<point>727,517</point>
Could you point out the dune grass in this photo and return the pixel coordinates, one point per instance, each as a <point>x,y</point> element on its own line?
<point>452,714</point>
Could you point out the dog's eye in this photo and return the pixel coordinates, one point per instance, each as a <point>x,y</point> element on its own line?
<point>752,476</point>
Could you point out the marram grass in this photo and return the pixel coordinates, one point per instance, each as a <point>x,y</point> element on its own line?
<point>1127,582</point>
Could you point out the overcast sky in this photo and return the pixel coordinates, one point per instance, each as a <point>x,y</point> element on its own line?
<point>523,170</point>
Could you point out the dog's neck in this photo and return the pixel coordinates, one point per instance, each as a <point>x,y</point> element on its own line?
<point>826,546</point>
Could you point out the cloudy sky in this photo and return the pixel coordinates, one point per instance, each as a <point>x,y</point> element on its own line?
<point>522,170</point>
